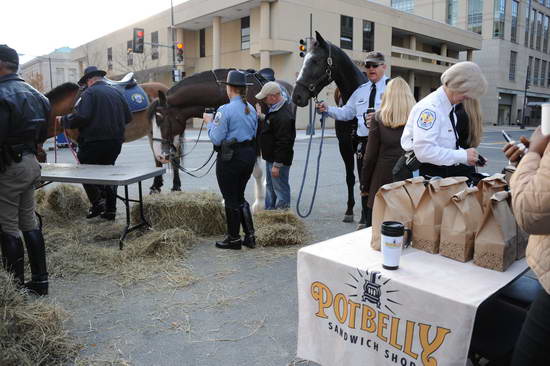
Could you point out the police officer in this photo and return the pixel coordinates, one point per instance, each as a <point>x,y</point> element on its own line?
<point>233,132</point>
<point>24,113</point>
<point>101,116</point>
<point>362,104</point>
<point>431,127</point>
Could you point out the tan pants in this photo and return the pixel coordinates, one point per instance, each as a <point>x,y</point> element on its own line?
<point>17,196</point>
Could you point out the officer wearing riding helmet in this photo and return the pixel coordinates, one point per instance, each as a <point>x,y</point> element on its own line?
<point>232,131</point>
<point>24,114</point>
<point>362,104</point>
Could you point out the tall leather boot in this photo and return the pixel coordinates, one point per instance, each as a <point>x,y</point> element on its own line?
<point>13,257</point>
<point>233,238</point>
<point>36,251</point>
<point>248,226</point>
<point>364,213</point>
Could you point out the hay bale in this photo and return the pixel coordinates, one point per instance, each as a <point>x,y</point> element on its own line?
<point>279,228</point>
<point>31,332</point>
<point>39,196</point>
<point>200,212</point>
<point>66,201</point>
<point>163,244</point>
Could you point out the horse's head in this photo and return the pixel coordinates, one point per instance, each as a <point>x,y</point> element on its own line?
<point>316,72</point>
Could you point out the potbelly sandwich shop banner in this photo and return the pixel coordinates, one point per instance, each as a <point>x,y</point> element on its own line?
<point>353,312</point>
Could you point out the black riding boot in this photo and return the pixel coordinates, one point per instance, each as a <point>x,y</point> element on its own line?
<point>248,226</point>
<point>36,250</point>
<point>233,238</point>
<point>13,257</point>
<point>364,213</point>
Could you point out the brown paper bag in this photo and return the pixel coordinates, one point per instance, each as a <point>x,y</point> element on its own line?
<point>508,171</point>
<point>391,203</point>
<point>415,187</point>
<point>428,213</point>
<point>488,187</point>
<point>459,225</point>
<point>495,244</point>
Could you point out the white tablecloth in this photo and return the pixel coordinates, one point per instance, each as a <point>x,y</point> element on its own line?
<point>354,312</point>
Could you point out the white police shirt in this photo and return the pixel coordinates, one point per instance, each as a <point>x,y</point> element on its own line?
<point>429,132</point>
<point>358,104</point>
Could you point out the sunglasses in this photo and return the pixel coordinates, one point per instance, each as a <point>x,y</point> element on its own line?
<point>369,65</point>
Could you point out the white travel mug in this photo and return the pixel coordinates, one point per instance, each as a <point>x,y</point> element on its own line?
<point>392,243</point>
<point>545,119</point>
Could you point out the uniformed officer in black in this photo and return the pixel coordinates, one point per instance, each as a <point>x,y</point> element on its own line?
<point>233,132</point>
<point>24,114</point>
<point>101,115</point>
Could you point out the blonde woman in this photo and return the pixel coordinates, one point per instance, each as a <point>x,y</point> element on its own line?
<point>384,148</point>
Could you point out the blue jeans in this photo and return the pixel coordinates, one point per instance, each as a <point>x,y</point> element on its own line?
<point>277,195</point>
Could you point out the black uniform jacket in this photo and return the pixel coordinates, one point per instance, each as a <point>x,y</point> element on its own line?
<point>277,139</point>
<point>24,112</point>
<point>100,114</point>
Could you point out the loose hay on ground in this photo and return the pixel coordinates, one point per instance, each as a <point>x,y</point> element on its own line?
<point>200,212</point>
<point>66,201</point>
<point>31,332</point>
<point>279,228</point>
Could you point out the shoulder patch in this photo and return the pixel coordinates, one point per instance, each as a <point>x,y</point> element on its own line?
<point>217,117</point>
<point>426,119</point>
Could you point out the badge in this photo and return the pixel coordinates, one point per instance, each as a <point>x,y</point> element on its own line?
<point>217,118</point>
<point>138,98</point>
<point>361,101</point>
<point>426,119</point>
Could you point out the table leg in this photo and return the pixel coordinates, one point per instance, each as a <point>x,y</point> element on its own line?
<point>142,223</point>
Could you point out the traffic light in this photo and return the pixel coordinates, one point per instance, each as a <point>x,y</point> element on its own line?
<point>179,52</point>
<point>139,40</point>
<point>302,47</point>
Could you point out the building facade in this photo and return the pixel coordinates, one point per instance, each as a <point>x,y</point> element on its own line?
<point>515,49</point>
<point>48,71</point>
<point>256,34</point>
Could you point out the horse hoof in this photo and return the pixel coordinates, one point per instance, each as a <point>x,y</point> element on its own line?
<point>348,218</point>
<point>176,189</point>
<point>154,190</point>
<point>361,226</point>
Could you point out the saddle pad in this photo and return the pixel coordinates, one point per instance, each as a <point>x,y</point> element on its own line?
<point>135,96</point>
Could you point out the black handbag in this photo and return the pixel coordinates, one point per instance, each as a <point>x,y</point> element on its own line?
<point>411,161</point>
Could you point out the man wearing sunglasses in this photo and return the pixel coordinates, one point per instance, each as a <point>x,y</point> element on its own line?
<point>362,104</point>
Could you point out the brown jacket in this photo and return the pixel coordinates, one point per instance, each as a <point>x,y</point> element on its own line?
<point>383,150</point>
<point>530,186</point>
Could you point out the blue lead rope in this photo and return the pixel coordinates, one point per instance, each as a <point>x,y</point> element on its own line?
<point>312,130</point>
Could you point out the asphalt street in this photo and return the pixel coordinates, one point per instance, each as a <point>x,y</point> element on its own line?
<point>242,310</point>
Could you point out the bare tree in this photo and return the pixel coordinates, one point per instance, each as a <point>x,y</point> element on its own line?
<point>37,81</point>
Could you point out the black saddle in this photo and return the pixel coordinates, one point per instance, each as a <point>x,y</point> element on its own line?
<point>128,81</point>
<point>263,76</point>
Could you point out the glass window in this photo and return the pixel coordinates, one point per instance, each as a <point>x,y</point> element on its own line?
<point>514,33</point>
<point>130,58</point>
<point>542,73</point>
<point>548,78</point>
<point>533,29</point>
<point>452,11</point>
<point>526,43</point>
<point>545,26</point>
<point>513,60</point>
<point>403,5</point>
<point>536,72</point>
<point>202,43</point>
<point>155,45</point>
<point>368,36</point>
<point>539,30</point>
<point>59,75</point>
<point>346,32</point>
<point>245,33</point>
<point>475,15</point>
<point>72,75</point>
<point>110,58</point>
<point>498,22</point>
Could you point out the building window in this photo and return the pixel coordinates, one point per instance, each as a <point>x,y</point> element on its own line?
<point>545,33</point>
<point>346,32</point>
<point>530,70</point>
<point>514,32</point>
<point>475,15</point>
<point>533,29</point>
<point>72,75</point>
<point>130,58</point>
<point>155,45</point>
<point>548,78</point>
<point>403,5</point>
<point>59,75</point>
<point>539,30</point>
<point>513,60</point>
<point>110,58</point>
<point>498,22</point>
<point>526,43</point>
<point>202,43</point>
<point>542,73</point>
<point>452,11</point>
<point>245,33</point>
<point>536,72</point>
<point>368,36</point>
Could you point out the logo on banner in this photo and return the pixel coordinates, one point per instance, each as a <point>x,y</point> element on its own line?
<point>370,316</point>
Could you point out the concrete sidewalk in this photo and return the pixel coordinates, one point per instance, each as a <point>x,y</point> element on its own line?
<point>192,134</point>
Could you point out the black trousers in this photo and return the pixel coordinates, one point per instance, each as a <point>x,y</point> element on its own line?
<point>234,174</point>
<point>444,171</point>
<point>100,153</point>
<point>533,346</point>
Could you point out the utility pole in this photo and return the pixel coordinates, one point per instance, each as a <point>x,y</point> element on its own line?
<point>522,124</point>
<point>310,128</point>
<point>174,68</point>
<point>50,64</point>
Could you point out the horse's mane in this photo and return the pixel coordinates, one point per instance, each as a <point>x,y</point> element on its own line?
<point>209,75</point>
<point>61,91</point>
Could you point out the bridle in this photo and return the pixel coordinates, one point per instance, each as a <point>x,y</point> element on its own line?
<point>324,80</point>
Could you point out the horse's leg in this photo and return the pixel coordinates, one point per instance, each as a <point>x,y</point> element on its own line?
<point>345,145</point>
<point>176,161</point>
<point>258,174</point>
<point>158,180</point>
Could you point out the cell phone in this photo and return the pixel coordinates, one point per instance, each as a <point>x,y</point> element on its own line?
<point>506,136</point>
<point>210,110</point>
<point>371,110</point>
<point>481,161</point>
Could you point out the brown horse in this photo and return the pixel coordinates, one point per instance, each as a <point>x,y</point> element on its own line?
<point>63,98</point>
<point>189,98</point>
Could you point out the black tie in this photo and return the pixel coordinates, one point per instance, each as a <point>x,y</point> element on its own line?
<point>453,122</point>
<point>372,96</point>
